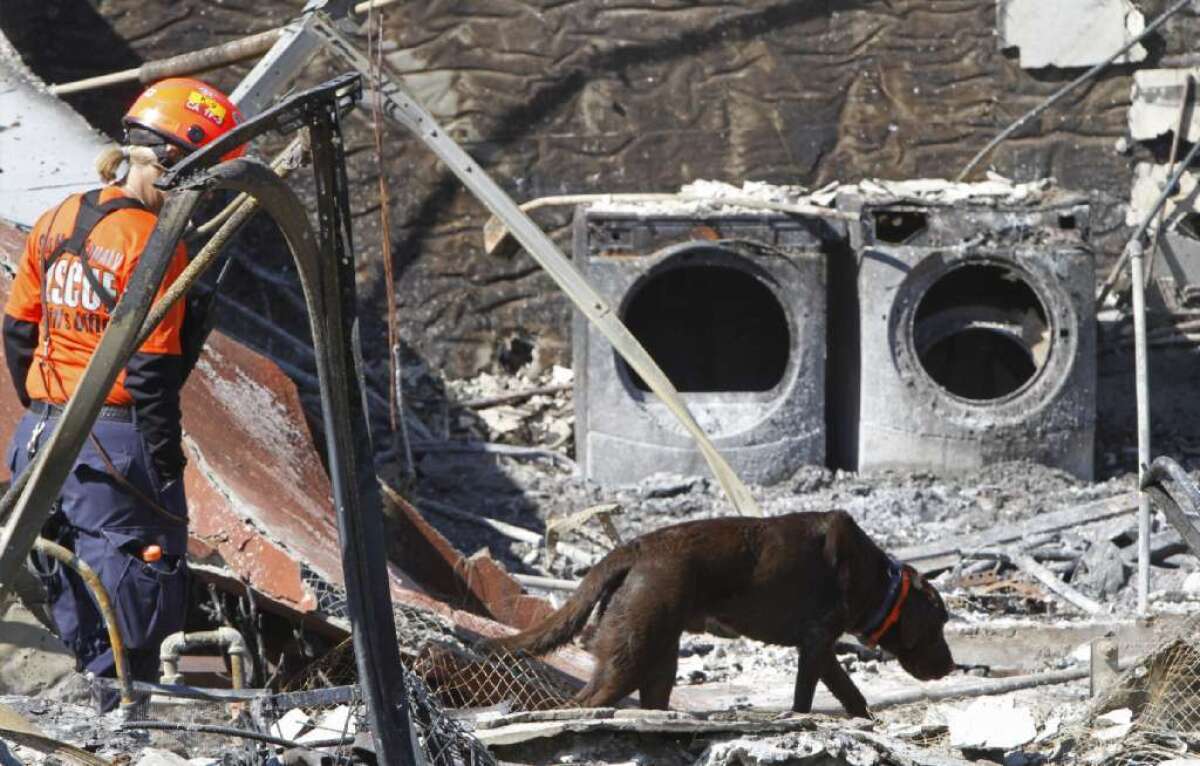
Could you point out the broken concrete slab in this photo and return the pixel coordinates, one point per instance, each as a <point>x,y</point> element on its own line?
<point>1158,95</point>
<point>1114,724</point>
<point>1069,33</point>
<point>991,723</point>
<point>1192,584</point>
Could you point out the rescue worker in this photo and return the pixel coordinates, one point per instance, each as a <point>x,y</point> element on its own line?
<point>122,509</point>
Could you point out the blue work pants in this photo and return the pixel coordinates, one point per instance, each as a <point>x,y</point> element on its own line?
<point>110,527</point>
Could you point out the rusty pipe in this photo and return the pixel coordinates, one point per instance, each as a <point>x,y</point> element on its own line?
<point>103,602</point>
<point>228,639</point>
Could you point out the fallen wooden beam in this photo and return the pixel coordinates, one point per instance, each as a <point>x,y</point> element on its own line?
<point>820,734</point>
<point>491,448</point>
<point>516,396</point>
<point>511,531</point>
<point>981,688</point>
<point>945,553</point>
<point>1065,592</point>
<point>193,62</point>
<point>529,725</point>
<point>546,583</point>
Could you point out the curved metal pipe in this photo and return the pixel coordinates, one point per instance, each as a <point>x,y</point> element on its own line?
<point>1177,496</point>
<point>327,280</point>
<point>103,602</point>
<point>225,638</point>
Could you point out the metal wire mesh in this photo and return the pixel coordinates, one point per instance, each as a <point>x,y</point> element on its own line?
<point>442,739</point>
<point>463,678</point>
<point>1162,692</point>
<point>442,672</point>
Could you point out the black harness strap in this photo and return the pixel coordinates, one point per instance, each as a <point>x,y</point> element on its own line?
<point>91,212</point>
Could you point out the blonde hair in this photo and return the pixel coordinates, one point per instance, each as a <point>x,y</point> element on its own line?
<point>108,164</point>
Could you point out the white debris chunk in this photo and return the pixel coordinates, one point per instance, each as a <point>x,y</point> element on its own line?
<point>1083,652</point>
<point>291,724</point>
<point>1069,33</point>
<point>561,376</point>
<point>991,723</point>
<point>333,724</point>
<point>152,756</point>
<point>503,420</point>
<point>1157,96</point>
<point>1113,725</point>
<point>1191,584</point>
<point>1148,182</point>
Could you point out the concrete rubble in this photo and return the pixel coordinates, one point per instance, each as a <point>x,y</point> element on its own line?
<point>990,724</point>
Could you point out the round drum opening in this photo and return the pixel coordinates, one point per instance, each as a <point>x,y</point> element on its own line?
<point>711,329</point>
<point>981,332</point>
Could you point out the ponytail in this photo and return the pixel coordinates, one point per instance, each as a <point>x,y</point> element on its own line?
<point>108,164</point>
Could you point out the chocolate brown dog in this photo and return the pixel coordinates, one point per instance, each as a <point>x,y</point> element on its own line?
<point>797,580</point>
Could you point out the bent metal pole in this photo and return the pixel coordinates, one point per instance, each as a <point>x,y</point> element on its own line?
<point>314,29</point>
<point>400,106</point>
<point>325,265</point>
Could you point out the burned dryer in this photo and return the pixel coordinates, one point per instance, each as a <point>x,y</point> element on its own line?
<point>977,340</point>
<point>732,307</point>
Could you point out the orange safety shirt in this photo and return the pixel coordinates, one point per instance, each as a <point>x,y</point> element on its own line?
<point>73,314</point>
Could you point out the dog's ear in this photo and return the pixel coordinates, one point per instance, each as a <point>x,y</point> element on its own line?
<point>926,588</point>
<point>838,550</point>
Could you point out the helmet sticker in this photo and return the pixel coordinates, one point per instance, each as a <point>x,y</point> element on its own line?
<point>206,106</point>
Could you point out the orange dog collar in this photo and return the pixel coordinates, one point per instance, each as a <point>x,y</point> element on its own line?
<point>872,639</point>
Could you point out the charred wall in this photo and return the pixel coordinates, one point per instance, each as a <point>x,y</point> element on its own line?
<point>598,96</point>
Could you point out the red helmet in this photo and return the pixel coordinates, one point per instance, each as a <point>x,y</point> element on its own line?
<point>185,112</point>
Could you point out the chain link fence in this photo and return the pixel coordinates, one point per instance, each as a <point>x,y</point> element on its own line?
<point>1161,692</point>
<point>443,672</point>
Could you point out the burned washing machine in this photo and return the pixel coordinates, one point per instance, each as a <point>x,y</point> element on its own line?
<point>976,335</point>
<point>732,307</point>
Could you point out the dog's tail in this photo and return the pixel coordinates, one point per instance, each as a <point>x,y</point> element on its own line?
<point>557,629</point>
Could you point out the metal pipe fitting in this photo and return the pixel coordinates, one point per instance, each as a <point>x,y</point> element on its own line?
<point>227,639</point>
<point>103,602</point>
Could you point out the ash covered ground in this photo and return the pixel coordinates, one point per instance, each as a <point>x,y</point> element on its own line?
<point>897,509</point>
<point>991,600</point>
<point>996,608</point>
